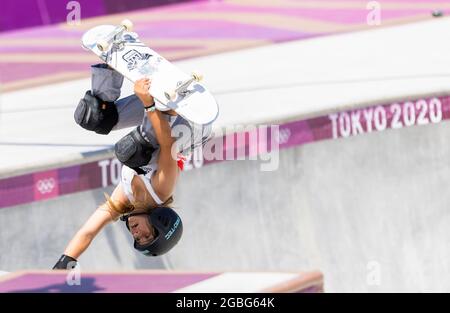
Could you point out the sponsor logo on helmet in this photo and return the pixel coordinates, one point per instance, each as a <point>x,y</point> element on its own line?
<point>45,185</point>
<point>173,229</point>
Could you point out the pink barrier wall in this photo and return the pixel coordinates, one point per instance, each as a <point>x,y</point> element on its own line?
<point>29,13</point>
<point>53,183</point>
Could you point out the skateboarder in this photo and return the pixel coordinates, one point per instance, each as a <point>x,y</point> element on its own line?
<point>143,197</point>
<point>100,111</point>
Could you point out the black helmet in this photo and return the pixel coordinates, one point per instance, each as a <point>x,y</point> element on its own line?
<point>168,227</point>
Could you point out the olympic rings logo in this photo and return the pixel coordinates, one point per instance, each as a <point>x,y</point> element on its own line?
<point>45,185</point>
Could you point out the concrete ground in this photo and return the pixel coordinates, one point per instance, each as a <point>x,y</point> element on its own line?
<point>371,212</point>
<point>287,81</point>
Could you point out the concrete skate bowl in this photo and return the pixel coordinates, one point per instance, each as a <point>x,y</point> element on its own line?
<point>371,211</point>
<point>35,234</point>
<point>349,195</point>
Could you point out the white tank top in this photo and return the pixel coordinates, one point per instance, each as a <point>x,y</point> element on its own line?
<point>149,169</point>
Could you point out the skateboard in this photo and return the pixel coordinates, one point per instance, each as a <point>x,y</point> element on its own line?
<point>122,50</point>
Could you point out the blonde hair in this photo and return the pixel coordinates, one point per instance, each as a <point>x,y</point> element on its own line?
<point>141,196</point>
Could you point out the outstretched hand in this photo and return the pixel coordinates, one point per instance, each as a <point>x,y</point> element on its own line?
<point>141,90</point>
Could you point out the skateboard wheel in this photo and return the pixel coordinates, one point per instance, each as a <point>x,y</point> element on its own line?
<point>197,76</point>
<point>127,24</point>
<point>102,45</point>
<point>170,95</point>
<point>84,47</point>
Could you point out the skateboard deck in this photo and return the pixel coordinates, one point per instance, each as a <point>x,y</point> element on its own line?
<point>122,50</point>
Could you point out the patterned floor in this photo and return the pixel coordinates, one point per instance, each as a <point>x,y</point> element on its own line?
<point>160,281</point>
<point>52,54</point>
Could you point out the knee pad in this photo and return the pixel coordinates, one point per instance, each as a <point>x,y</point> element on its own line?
<point>95,114</point>
<point>133,150</point>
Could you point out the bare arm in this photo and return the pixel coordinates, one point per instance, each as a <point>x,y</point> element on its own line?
<point>86,234</point>
<point>165,178</point>
<point>99,219</point>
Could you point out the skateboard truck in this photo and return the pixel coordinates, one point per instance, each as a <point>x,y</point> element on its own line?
<point>181,90</point>
<point>104,43</point>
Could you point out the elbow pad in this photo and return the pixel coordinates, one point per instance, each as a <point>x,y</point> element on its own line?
<point>134,150</point>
